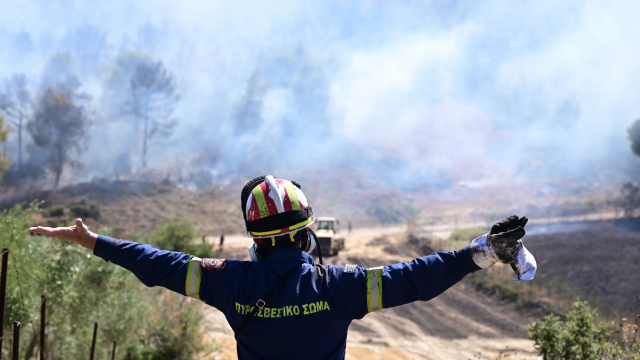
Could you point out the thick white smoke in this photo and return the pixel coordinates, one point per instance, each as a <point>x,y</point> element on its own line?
<point>439,93</point>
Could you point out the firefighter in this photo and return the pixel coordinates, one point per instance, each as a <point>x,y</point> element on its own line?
<point>282,305</point>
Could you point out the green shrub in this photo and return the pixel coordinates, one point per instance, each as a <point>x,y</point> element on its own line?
<point>53,212</point>
<point>81,289</point>
<point>180,235</point>
<point>174,332</point>
<point>578,336</point>
<point>85,208</point>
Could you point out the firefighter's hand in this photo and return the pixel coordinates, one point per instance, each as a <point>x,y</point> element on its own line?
<point>78,233</point>
<point>502,243</point>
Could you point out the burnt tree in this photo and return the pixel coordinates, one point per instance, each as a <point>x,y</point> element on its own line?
<point>152,99</point>
<point>16,103</point>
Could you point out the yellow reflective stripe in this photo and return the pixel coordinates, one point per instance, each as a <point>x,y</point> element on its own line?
<point>301,224</point>
<point>293,197</point>
<point>267,232</point>
<point>194,275</point>
<point>279,231</point>
<point>374,289</point>
<point>260,200</point>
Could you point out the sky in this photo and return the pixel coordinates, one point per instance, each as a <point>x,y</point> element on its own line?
<point>431,92</point>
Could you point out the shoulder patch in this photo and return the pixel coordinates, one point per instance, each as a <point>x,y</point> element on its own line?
<point>214,265</point>
<point>350,269</point>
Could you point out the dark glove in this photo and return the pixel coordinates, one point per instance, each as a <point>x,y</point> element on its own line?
<point>505,236</point>
<point>500,244</point>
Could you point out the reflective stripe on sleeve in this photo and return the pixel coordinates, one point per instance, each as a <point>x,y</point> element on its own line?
<point>194,273</point>
<point>374,289</point>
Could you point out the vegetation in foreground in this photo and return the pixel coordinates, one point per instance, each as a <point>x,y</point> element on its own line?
<point>579,336</point>
<point>153,324</point>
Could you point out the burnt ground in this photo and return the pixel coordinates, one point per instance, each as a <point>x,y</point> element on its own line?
<point>597,261</point>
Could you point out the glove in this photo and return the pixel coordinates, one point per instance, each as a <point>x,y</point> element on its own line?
<point>503,243</point>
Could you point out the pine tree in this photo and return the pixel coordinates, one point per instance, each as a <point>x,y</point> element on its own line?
<point>59,126</point>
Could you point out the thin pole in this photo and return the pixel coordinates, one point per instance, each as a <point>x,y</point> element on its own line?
<point>3,290</point>
<point>129,356</point>
<point>16,340</point>
<point>113,353</point>
<point>43,316</point>
<point>93,343</point>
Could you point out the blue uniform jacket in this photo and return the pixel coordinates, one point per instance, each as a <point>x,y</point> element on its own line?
<point>308,317</point>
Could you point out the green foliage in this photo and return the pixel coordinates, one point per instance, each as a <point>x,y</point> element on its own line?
<point>58,126</point>
<point>5,161</point>
<point>81,289</point>
<point>180,235</point>
<point>85,208</point>
<point>53,212</point>
<point>577,337</point>
<point>174,332</point>
<point>462,237</point>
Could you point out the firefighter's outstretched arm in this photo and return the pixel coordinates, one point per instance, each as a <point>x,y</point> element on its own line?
<point>152,266</point>
<point>362,290</point>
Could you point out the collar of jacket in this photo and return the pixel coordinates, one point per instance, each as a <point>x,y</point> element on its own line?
<point>286,255</point>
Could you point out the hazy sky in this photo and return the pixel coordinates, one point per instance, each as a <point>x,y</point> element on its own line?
<point>447,91</point>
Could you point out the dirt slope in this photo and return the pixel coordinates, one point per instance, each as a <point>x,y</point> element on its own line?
<point>460,324</point>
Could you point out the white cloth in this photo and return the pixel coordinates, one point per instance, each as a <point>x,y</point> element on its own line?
<point>526,265</point>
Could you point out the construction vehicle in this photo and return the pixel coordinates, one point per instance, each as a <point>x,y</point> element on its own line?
<point>328,232</point>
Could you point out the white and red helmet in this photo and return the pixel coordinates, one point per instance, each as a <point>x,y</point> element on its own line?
<point>274,207</point>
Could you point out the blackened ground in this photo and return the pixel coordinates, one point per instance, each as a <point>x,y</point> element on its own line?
<point>597,261</point>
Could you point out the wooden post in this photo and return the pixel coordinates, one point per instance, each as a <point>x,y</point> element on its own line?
<point>43,321</point>
<point>93,343</point>
<point>16,340</point>
<point>3,291</point>
<point>113,353</point>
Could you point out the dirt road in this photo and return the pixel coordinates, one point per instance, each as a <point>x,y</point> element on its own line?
<point>460,324</point>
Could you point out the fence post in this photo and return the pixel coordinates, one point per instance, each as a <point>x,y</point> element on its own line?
<point>93,343</point>
<point>129,356</point>
<point>113,353</point>
<point>16,340</point>
<point>3,291</point>
<point>43,316</point>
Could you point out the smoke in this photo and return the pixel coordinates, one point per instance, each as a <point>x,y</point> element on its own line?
<point>430,95</point>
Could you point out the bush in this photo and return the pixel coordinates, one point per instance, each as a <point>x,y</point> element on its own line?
<point>85,208</point>
<point>180,235</point>
<point>54,212</point>
<point>81,289</point>
<point>578,336</point>
<point>629,199</point>
<point>174,332</point>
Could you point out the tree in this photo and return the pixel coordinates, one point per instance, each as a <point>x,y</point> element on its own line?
<point>633,134</point>
<point>17,104</point>
<point>5,161</point>
<point>60,73</point>
<point>89,44</point>
<point>629,198</point>
<point>152,100</point>
<point>59,126</point>
<point>247,112</point>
